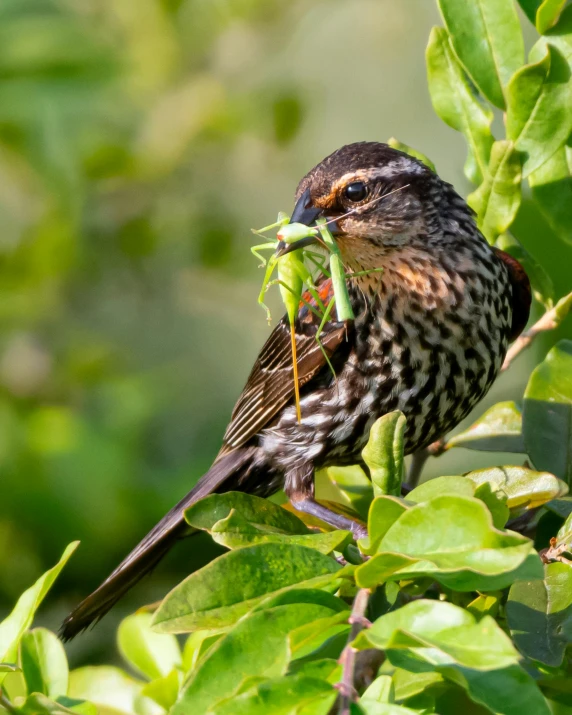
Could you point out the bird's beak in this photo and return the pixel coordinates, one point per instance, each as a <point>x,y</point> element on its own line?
<point>304,213</point>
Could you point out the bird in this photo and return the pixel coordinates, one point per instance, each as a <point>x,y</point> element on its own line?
<point>435,308</point>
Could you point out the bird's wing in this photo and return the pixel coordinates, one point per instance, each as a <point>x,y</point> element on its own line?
<point>270,385</point>
<point>521,293</point>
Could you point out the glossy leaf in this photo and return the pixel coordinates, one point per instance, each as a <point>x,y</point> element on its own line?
<point>561,506</point>
<point>452,539</point>
<point>455,102</point>
<point>530,8</point>
<point>539,614</point>
<point>231,585</point>
<point>164,690</point>
<point>487,38</point>
<point>256,646</point>
<point>383,453</point>
<point>547,414</point>
<point>380,691</point>
<point>40,704</point>
<point>110,689</point>
<point>370,707</point>
<point>476,654</point>
<point>523,487</point>
<point>552,190</point>
<point>196,646</point>
<point>152,654</point>
<point>205,513</point>
<point>499,429</point>
<point>400,146</point>
<point>442,634</point>
<point>279,696</point>
<point>236,532</point>
<point>540,281</point>
<point>383,512</point>
<point>353,486</point>
<point>497,199</point>
<point>44,663</point>
<point>548,14</point>
<point>407,684</point>
<point>13,627</point>
<point>539,97</point>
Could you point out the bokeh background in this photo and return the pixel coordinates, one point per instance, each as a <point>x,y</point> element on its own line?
<point>140,140</point>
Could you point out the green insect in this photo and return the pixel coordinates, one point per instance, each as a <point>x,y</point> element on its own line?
<point>293,274</point>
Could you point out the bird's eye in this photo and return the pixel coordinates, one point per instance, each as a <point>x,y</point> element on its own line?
<point>356,191</point>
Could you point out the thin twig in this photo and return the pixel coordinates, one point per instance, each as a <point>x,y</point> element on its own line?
<point>6,704</point>
<point>357,619</point>
<point>549,321</point>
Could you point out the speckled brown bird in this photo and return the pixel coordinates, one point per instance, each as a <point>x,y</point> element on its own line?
<point>430,334</point>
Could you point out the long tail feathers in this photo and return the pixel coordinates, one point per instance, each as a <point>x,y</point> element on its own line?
<point>147,554</point>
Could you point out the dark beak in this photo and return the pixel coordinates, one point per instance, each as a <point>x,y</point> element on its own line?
<point>304,213</point>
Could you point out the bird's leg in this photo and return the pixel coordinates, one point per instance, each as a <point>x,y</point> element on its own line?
<point>309,505</point>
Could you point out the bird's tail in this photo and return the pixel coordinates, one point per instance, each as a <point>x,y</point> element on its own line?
<point>147,554</point>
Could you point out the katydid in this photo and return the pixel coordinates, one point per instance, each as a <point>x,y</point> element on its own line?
<point>293,274</point>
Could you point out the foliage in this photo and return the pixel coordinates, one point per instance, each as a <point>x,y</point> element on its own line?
<point>447,605</point>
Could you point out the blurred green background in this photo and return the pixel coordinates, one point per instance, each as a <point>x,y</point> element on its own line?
<point>140,140</point>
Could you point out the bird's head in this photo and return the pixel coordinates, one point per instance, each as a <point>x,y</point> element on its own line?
<point>377,199</point>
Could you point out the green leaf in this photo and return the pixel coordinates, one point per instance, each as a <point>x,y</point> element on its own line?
<point>408,684</point>
<point>353,486</point>
<point>539,97</point>
<point>279,696</point>
<point>383,453</point>
<point>547,414</point>
<point>197,645</point>
<point>539,614</point>
<point>551,186</point>
<point>205,513</point>
<point>475,654</point>
<point>499,429</point>
<point>455,103</point>
<point>9,668</point>
<point>235,532</point>
<point>152,654</point>
<point>441,486</point>
<point>540,281</point>
<point>562,506</point>
<point>494,500</point>
<point>326,669</point>
<point>452,539</point>
<point>383,512</point>
<point>523,487</point>
<point>231,585</point>
<point>110,688</point>
<point>256,646</point>
<point>548,14</point>
<point>39,704</point>
<point>497,199</point>
<point>12,628</point>
<point>164,690</point>
<point>400,146</point>
<point>442,634</point>
<point>44,663</point>
<point>530,8</point>
<point>370,707</point>
<point>487,38</point>
<point>380,691</point>
<point>509,691</point>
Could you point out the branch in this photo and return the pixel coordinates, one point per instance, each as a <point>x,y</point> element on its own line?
<point>548,321</point>
<point>357,619</point>
<point>6,704</point>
